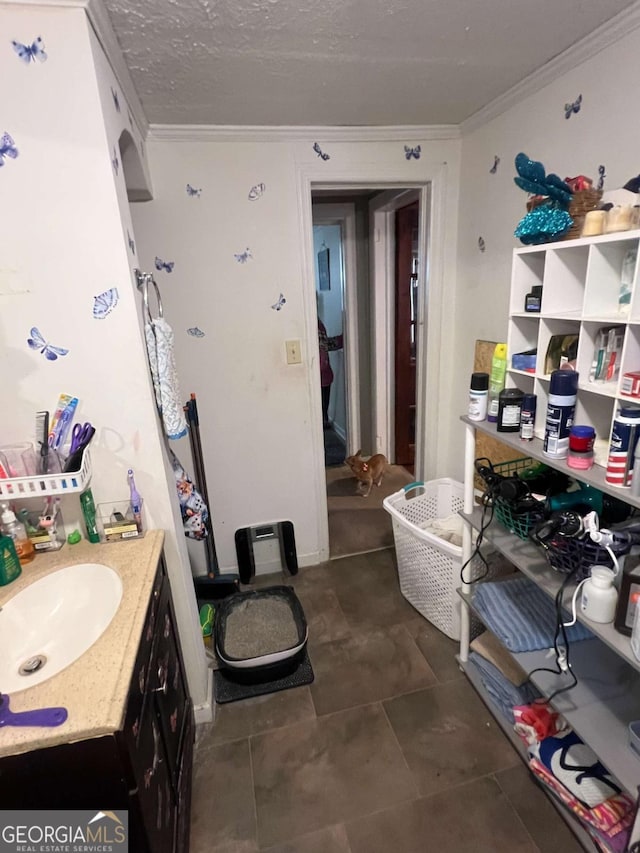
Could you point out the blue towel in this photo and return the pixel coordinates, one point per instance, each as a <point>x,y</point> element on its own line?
<point>521,615</point>
<point>505,694</point>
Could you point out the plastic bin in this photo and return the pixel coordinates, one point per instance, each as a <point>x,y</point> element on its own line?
<point>428,566</point>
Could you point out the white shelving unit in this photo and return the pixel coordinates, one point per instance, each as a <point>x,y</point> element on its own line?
<point>581,287</point>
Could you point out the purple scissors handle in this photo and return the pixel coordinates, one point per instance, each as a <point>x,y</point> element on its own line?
<point>80,434</point>
<point>40,717</point>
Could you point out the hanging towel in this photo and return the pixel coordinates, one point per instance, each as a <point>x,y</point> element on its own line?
<point>194,510</point>
<point>159,336</point>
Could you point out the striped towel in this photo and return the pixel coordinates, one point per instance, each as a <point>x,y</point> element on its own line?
<point>521,615</point>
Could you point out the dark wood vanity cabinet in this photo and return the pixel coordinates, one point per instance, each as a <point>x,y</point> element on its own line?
<point>145,768</point>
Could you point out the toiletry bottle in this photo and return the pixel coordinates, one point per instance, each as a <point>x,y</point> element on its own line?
<point>478,396</point>
<point>599,596</point>
<point>561,407</point>
<point>533,300</point>
<point>89,515</point>
<point>136,501</point>
<point>629,596</point>
<point>18,532</point>
<point>496,380</point>
<point>509,410</point>
<point>624,439</point>
<point>528,417</point>
<point>10,567</point>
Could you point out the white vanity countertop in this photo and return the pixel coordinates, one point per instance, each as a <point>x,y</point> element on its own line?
<point>95,687</point>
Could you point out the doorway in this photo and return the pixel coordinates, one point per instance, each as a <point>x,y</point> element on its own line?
<point>376,303</point>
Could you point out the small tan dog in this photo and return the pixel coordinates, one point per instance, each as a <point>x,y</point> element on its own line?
<point>367,472</point>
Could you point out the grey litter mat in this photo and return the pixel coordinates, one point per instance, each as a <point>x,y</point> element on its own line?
<point>225,690</point>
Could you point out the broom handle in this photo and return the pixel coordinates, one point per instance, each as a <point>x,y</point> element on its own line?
<point>191,409</point>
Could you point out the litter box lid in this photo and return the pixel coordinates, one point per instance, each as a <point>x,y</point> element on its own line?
<point>233,603</point>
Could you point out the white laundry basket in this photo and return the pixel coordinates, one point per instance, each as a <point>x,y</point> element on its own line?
<point>428,566</point>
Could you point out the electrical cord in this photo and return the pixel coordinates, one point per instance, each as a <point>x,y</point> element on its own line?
<point>477,552</point>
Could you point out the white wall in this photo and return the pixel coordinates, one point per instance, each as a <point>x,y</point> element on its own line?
<point>605,131</point>
<point>258,413</point>
<point>62,243</point>
<point>330,306</point>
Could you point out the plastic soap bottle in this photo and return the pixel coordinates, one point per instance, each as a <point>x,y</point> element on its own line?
<point>496,380</point>
<point>18,533</point>
<point>9,563</point>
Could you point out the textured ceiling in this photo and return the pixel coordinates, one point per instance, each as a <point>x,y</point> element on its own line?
<point>339,62</point>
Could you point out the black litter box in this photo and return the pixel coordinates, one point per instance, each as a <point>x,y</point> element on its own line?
<point>260,635</point>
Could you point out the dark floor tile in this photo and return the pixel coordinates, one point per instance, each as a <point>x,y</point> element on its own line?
<point>323,613</point>
<point>447,736</point>
<point>439,651</point>
<point>236,720</point>
<point>318,773</point>
<point>333,839</point>
<point>541,819</point>
<point>222,807</point>
<point>474,817</point>
<point>367,667</point>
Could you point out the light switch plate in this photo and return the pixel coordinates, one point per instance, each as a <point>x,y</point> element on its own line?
<point>294,353</point>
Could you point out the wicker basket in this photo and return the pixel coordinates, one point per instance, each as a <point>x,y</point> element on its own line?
<point>582,202</point>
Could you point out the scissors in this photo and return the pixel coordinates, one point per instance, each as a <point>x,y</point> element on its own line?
<point>81,435</point>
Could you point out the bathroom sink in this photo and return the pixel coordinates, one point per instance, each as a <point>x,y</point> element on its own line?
<point>53,621</point>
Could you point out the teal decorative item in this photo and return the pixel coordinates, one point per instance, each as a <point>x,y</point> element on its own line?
<point>549,220</point>
<point>543,224</point>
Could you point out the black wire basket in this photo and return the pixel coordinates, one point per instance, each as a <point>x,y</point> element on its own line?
<point>509,514</point>
<point>570,555</point>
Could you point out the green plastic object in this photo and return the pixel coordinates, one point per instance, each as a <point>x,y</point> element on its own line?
<point>74,537</point>
<point>9,563</point>
<point>89,514</point>
<point>206,619</point>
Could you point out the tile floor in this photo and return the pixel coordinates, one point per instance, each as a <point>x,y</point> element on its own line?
<point>388,749</point>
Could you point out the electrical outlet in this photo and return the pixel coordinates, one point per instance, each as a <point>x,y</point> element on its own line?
<point>294,353</point>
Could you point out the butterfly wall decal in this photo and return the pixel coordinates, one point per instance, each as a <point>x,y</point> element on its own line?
<point>412,152</point>
<point>115,162</point>
<point>116,99</point>
<point>131,241</point>
<point>320,152</point>
<point>569,109</point>
<point>193,192</point>
<point>256,192</point>
<point>601,176</point>
<point>195,332</point>
<point>243,257</point>
<point>37,341</point>
<point>481,244</point>
<point>496,163</point>
<point>30,52</point>
<point>278,305</point>
<point>7,148</point>
<point>104,304</point>
<point>164,265</point>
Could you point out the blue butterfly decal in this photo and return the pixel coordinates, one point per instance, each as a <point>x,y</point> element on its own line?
<point>496,163</point>
<point>114,161</point>
<point>7,148</point>
<point>30,52</point>
<point>278,305</point>
<point>36,341</point>
<point>412,152</point>
<point>164,265</point>
<point>256,192</point>
<point>195,332</point>
<point>320,152</point>
<point>573,108</point>
<point>243,257</point>
<point>105,303</point>
<point>602,176</point>
<point>193,192</point>
<point>481,244</point>
<point>132,244</point>
<point>116,99</point>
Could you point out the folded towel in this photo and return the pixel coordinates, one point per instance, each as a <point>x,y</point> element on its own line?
<point>521,615</point>
<point>504,694</point>
<point>159,336</point>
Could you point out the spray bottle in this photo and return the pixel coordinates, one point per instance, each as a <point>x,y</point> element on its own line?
<point>496,380</point>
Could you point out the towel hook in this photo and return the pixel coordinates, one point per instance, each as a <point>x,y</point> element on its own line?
<point>143,280</point>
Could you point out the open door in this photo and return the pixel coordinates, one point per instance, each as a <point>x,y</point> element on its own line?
<point>406,313</point>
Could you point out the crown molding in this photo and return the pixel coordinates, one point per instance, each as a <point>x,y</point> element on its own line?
<point>257,133</point>
<point>607,34</point>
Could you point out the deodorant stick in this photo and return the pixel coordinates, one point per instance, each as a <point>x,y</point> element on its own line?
<point>561,407</point>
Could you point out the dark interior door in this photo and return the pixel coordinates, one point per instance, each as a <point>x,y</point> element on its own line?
<point>405,333</point>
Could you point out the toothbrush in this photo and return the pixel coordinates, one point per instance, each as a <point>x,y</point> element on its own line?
<point>136,500</point>
<point>42,438</point>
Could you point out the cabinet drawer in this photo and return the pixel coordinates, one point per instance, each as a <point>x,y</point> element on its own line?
<point>167,682</point>
<point>140,678</point>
